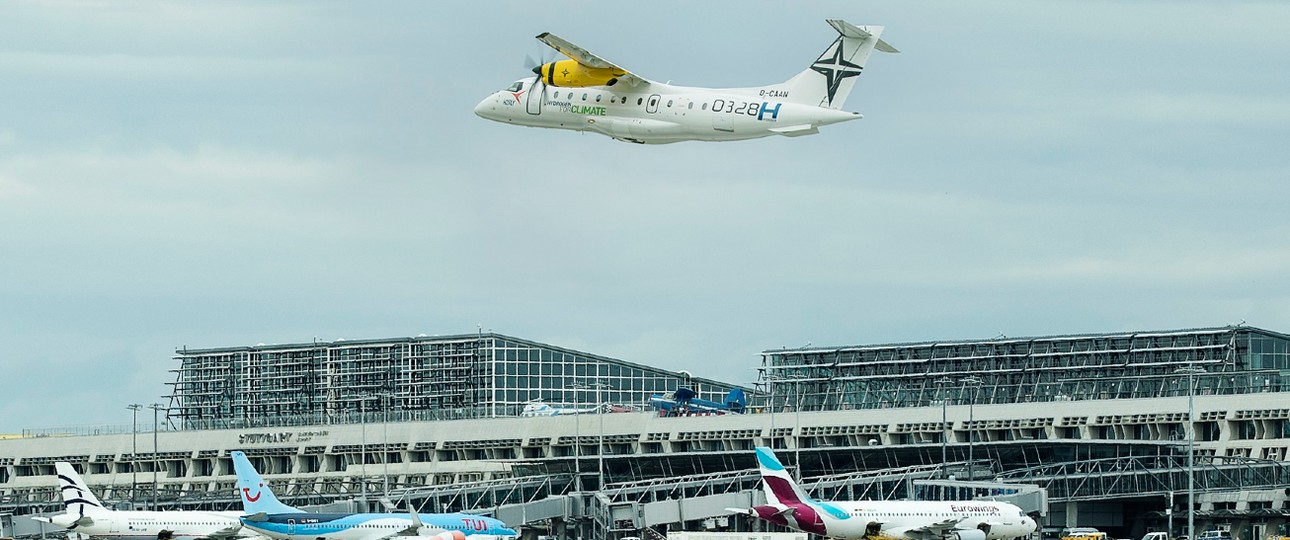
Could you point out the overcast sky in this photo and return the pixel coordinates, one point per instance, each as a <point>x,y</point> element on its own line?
<point>225,174</point>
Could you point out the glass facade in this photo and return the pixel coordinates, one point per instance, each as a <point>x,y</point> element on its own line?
<point>1228,360</point>
<point>423,378</point>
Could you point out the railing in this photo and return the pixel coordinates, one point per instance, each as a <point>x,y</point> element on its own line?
<point>89,430</point>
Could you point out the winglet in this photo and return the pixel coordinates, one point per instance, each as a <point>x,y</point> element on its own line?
<point>416,519</point>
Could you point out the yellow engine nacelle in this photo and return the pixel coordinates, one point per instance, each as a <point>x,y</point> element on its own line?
<point>571,74</point>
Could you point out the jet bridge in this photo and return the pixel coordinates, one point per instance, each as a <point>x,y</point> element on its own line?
<point>700,502</point>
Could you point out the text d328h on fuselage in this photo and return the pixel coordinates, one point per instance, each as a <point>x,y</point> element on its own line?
<point>588,93</point>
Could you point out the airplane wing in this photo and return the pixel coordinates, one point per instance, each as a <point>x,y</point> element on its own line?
<point>584,57</point>
<point>426,533</point>
<point>933,530</point>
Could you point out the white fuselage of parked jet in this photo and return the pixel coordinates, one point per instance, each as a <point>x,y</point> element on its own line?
<point>147,525</point>
<point>787,504</point>
<point>85,515</point>
<point>918,520</point>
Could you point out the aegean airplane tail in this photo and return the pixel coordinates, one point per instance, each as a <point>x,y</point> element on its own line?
<point>828,81</point>
<point>256,496</point>
<point>80,502</point>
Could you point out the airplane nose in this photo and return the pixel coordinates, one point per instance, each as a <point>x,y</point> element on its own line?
<point>485,107</point>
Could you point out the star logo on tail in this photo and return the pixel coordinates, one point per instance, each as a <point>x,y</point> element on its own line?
<point>835,68</point>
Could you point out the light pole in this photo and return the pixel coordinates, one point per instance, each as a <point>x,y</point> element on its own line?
<point>973,382</point>
<point>797,429</point>
<point>600,442</point>
<point>362,453</point>
<point>945,431</point>
<point>134,452</point>
<point>385,446</point>
<point>1191,448</point>
<point>577,435</point>
<point>156,407</point>
<point>600,438</point>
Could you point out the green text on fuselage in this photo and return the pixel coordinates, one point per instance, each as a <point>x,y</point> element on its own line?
<point>588,110</point>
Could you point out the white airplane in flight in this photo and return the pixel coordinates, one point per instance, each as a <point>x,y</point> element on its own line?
<point>790,506</point>
<point>87,517</point>
<point>588,93</point>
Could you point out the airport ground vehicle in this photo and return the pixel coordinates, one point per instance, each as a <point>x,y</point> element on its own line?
<point>1082,533</point>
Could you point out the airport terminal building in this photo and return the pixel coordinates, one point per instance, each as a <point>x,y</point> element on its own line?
<point>1096,423</point>
<point>422,378</point>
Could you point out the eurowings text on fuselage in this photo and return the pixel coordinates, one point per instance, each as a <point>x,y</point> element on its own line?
<point>789,505</point>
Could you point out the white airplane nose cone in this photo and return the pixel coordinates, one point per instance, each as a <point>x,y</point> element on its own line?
<point>487,108</point>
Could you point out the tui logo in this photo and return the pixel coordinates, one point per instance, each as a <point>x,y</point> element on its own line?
<point>246,493</point>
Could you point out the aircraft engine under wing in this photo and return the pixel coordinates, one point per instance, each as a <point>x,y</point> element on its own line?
<point>582,68</point>
<point>571,74</point>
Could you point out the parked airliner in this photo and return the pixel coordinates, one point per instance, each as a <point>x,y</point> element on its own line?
<point>86,516</point>
<point>790,506</point>
<point>269,516</point>
<point>588,93</point>
<point>543,409</point>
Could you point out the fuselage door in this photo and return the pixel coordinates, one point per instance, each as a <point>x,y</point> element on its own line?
<point>651,104</point>
<point>533,101</point>
<point>721,120</point>
<point>291,526</point>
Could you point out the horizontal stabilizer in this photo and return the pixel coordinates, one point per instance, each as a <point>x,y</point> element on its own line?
<point>797,130</point>
<point>855,32</point>
<point>258,517</point>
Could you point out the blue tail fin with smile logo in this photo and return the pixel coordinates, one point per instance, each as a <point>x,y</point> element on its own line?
<point>255,493</point>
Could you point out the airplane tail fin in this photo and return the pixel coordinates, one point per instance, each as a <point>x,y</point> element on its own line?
<point>776,483</point>
<point>257,497</point>
<point>828,81</point>
<point>77,497</point>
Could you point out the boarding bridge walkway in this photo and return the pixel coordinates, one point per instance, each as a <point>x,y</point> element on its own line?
<point>1136,477</point>
<point>624,509</point>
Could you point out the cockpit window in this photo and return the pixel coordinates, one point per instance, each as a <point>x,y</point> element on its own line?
<point>515,86</point>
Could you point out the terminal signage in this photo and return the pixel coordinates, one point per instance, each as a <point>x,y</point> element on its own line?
<point>279,437</point>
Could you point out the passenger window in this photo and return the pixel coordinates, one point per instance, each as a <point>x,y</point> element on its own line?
<point>704,106</point>
<point>690,105</point>
<point>639,100</point>
<point>584,97</point>
<point>597,98</point>
<point>669,103</point>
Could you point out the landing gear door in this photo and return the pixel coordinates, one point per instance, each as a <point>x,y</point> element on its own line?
<point>651,104</point>
<point>534,97</point>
